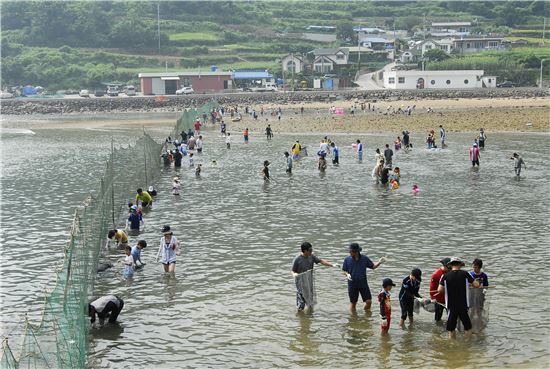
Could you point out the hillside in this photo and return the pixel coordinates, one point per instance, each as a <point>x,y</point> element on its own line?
<point>82,44</point>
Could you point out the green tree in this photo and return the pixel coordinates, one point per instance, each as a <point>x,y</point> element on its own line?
<point>436,55</point>
<point>345,32</point>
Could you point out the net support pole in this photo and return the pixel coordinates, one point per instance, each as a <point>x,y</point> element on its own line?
<point>145,158</point>
<point>112,174</point>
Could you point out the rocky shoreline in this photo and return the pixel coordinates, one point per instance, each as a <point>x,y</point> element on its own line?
<point>177,103</point>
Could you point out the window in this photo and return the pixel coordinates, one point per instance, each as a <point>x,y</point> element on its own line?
<point>466,81</point>
<point>340,56</point>
<point>467,45</point>
<point>291,66</point>
<point>448,81</point>
<point>401,80</point>
<point>428,47</point>
<point>493,43</point>
<point>391,80</point>
<point>489,80</point>
<point>432,82</point>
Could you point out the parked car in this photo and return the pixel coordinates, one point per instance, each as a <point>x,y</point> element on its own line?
<point>6,95</point>
<point>506,84</point>
<point>99,93</point>
<point>112,91</point>
<point>185,91</point>
<point>84,93</point>
<point>130,91</point>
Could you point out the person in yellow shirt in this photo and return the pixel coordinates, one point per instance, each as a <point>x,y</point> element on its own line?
<point>144,197</point>
<point>120,237</point>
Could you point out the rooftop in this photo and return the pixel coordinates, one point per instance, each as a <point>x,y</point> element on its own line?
<point>452,24</point>
<point>251,74</point>
<point>184,74</point>
<point>331,51</point>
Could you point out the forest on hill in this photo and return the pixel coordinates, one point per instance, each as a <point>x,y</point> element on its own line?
<point>75,44</point>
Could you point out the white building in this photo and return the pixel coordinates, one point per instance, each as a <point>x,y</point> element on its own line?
<point>293,63</point>
<point>446,29</point>
<point>437,79</point>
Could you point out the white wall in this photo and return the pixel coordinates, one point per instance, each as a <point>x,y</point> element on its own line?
<point>158,86</point>
<point>410,80</point>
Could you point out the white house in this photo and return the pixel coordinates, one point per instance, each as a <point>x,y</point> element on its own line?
<point>327,59</point>
<point>293,63</point>
<point>436,79</point>
<point>475,45</point>
<point>446,29</point>
<point>378,43</point>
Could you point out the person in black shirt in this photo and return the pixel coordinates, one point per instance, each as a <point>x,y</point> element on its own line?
<point>409,290</point>
<point>265,171</point>
<point>455,285</point>
<point>177,158</point>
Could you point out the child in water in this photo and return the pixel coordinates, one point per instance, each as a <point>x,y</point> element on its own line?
<point>415,189</point>
<point>198,170</point>
<point>396,175</point>
<point>136,253</point>
<point>176,185</point>
<point>385,305</point>
<point>128,263</point>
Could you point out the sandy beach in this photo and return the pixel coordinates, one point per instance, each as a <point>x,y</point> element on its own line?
<point>459,115</point>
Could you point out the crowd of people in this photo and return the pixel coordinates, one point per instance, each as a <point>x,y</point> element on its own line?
<point>449,287</point>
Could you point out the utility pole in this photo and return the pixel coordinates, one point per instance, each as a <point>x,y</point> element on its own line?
<point>543,32</point>
<point>359,47</point>
<point>158,23</point>
<point>540,81</point>
<point>293,68</point>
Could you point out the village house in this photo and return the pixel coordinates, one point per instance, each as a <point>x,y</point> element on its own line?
<point>475,45</point>
<point>293,63</point>
<point>327,60</point>
<point>447,29</point>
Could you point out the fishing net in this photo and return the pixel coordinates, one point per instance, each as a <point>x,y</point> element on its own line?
<point>60,339</point>
<point>479,308</point>
<point>305,285</point>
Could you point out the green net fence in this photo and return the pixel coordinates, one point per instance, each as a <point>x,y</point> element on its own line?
<point>60,339</point>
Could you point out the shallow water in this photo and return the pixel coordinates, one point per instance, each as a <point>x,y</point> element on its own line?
<point>231,302</point>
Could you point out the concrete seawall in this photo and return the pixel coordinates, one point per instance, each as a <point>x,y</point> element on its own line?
<point>177,103</point>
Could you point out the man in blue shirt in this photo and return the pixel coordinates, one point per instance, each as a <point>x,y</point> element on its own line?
<point>355,265</point>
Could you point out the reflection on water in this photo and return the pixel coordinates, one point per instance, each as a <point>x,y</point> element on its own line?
<point>231,302</point>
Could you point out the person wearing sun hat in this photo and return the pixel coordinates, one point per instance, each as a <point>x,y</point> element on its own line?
<point>455,285</point>
<point>434,284</point>
<point>169,248</point>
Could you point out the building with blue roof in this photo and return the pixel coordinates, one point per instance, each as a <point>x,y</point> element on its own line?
<point>252,77</point>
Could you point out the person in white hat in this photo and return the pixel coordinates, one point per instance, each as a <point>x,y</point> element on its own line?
<point>176,186</point>
<point>455,285</point>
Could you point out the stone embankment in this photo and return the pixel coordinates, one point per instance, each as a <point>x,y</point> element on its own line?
<point>177,103</point>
